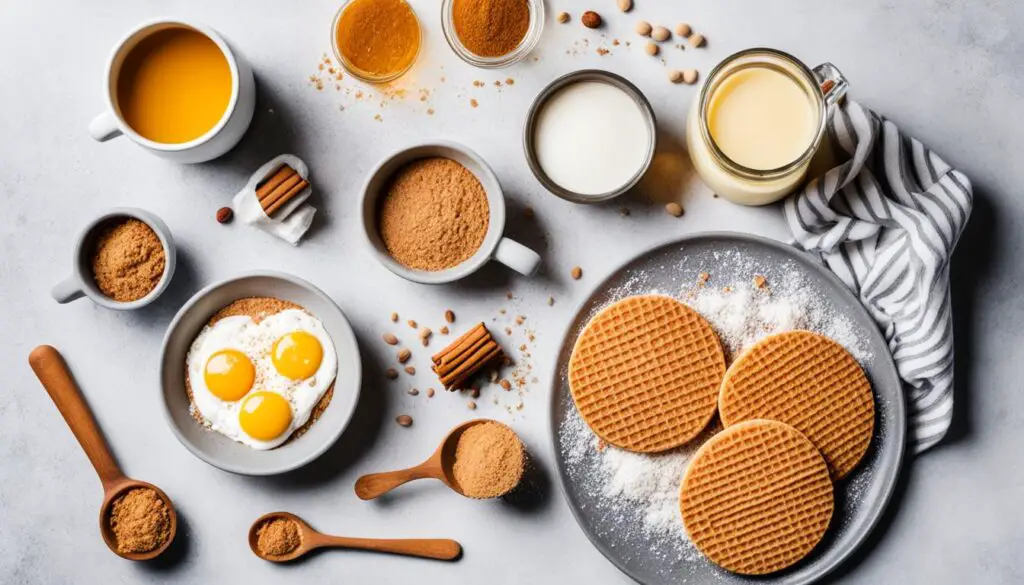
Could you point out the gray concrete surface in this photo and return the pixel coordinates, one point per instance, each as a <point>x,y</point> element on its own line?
<point>948,71</point>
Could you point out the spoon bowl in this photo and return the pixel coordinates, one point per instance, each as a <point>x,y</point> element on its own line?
<point>439,466</point>
<point>310,539</point>
<point>53,373</point>
<point>110,495</point>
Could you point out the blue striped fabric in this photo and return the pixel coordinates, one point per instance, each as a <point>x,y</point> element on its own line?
<point>886,222</point>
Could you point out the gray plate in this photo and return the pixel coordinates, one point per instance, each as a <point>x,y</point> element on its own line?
<point>860,498</point>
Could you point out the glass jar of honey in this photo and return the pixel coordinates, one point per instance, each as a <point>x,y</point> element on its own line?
<point>376,41</point>
<point>757,123</point>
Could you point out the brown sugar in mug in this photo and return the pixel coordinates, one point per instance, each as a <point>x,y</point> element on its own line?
<point>53,373</point>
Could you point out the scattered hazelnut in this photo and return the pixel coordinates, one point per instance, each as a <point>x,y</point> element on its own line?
<point>413,392</point>
<point>443,330</point>
<point>404,355</point>
<point>697,40</point>
<point>591,19</point>
<point>411,323</point>
<point>425,332</point>
<point>471,405</point>
<point>391,373</point>
<point>505,384</point>
<point>675,76</point>
<point>410,370</point>
<point>576,272</point>
<point>660,33</point>
<point>394,317</point>
<point>390,339</point>
<point>404,419</point>
<point>563,17</point>
<point>430,392</point>
<point>683,29</point>
<point>643,28</point>
<point>651,48</point>
<point>224,215</point>
<point>625,5</point>
<point>690,76</point>
<point>674,209</point>
<point>449,316</point>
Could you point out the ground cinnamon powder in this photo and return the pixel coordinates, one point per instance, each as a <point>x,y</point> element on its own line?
<point>378,37</point>
<point>434,214</point>
<point>491,28</point>
<point>128,260</point>
<point>489,460</point>
<point>277,537</point>
<point>140,521</point>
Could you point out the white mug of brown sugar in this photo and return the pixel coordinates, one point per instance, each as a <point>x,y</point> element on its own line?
<point>123,260</point>
<point>435,213</point>
<point>177,89</point>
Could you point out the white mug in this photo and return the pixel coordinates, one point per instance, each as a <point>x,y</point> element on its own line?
<point>495,245</point>
<point>219,139</point>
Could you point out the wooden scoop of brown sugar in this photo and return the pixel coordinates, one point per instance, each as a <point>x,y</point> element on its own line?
<point>439,466</point>
<point>309,539</point>
<point>53,373</point>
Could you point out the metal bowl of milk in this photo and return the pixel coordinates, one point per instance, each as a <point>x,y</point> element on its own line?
<point>590,136</point>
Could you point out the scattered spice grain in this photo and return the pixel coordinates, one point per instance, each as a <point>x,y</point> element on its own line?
<point>394,317</point>
<point>404,420</point>
<point>391,373</point>
<point>410,370</point>
<point>140,521</point>
<point>576,273</point>
<point>489,460</point>
<point>563,17</point>
<point>411,323</point>
<point>128,260</point>
<point>674,209</point>
<point>278,536</point>
<point>449,316</point>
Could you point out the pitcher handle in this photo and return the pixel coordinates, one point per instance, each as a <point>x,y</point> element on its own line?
<point>833,84</point>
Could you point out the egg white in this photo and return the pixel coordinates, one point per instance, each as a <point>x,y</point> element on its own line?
<point>256,340</point>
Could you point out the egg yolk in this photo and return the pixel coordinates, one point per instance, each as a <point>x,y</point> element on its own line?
<point>229,374</point>
<point>297,355</point>
<point>265,416</point>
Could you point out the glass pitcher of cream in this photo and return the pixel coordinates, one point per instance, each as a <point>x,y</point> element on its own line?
<point>758,122</point>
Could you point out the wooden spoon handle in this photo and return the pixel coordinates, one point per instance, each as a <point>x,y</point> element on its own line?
<point>441,549</point>
<point>51,370</point>
<point>375,485</point>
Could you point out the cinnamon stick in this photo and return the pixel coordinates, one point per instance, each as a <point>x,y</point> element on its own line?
<point>465,340</point>
<point>279,191</point>
<point>273,180</point>
<point>298,188</point>
<point>465,357</point>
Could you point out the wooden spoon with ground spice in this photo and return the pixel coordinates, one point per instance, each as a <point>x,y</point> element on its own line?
<point>280,537</point>
<point>137,520</point>
<point>479,459</point>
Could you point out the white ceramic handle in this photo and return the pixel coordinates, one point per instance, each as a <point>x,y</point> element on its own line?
<point>104,127</point>
<point>67,290</point>
<point>517,257</point>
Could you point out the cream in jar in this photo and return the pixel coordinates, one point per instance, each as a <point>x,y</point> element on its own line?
<point>757,124</point>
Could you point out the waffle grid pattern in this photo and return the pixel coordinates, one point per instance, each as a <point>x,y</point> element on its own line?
<point>810,382</point>
<point>757,497</point>
<point>645,373</point>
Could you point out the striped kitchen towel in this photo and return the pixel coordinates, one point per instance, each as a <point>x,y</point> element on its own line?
<point>886,221</point>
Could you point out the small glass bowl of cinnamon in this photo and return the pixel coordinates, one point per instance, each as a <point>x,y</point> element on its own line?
<point>376,41</point>
<point>488,40</point>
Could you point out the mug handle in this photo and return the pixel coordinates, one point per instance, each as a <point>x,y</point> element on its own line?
<point>517,257</point>
<point>67,290</point>
<point>833,84</point>
<point>104,127</point>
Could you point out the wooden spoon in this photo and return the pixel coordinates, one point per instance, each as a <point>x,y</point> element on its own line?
<point>438,466</point>
<point>441,549</point>
<point>51,370</point>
